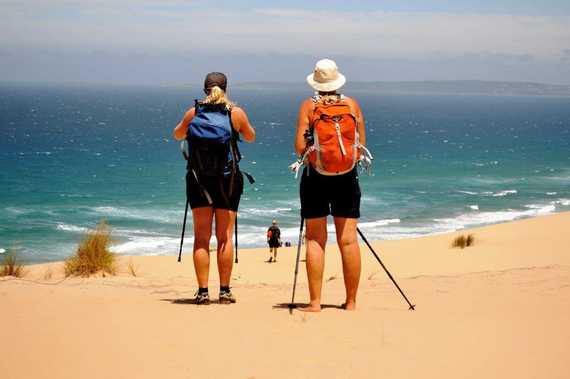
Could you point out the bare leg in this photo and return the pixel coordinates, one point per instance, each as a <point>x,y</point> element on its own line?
<point>224,226</point>
<point>202,219</point>
<point>350,252</point>
<point>274,254</point>
<point>316,242</point>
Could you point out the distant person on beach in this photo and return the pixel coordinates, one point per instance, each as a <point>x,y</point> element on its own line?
<point>330,135</point>
<point>273,240</point>
<point>214,183</point>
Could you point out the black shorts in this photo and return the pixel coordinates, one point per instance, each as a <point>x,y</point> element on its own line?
<point>274,243</point>
<point>197,199</point>
<point>323,195</point>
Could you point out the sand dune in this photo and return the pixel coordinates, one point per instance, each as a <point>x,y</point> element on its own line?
<point>499,309</point>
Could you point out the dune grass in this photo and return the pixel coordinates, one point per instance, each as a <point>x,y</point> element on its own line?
<point>93,255</point>
<point>11,266</point>
<point>463,241</point>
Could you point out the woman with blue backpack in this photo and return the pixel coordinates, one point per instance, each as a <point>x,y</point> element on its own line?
<point>214,183</point>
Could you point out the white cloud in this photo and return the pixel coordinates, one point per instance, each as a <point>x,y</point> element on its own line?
<point>105,25</point>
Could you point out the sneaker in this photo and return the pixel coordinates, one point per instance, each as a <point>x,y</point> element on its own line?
<point>226,297</point>
<point>201,298</point>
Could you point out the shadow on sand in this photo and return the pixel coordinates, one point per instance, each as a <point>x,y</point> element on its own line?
<point>301,305</point>
<point>186,301</point>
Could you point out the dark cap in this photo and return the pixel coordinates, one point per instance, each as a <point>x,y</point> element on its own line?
<point>215,79</point>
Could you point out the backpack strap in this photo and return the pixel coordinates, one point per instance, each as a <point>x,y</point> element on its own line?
<point>197,108</point>
<point>203,189</point>
<point>352,111</point>
<point>234,151</point>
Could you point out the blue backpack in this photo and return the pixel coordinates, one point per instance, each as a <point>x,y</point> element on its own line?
<point>212,141</point>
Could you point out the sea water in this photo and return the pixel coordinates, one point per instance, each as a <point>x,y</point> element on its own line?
<point>71,156</point>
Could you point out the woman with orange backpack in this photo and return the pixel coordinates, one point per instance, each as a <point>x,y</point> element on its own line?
<point>330,137</point>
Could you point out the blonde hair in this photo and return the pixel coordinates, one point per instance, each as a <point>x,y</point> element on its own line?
<point>216,95</point>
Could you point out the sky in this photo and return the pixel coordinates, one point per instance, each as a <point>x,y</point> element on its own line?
<point>167,42</point>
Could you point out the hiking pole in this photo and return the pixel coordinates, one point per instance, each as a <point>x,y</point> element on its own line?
<point>235,231</point>
<point>292,305</point>
<point>412,307</point>
<point>183,229</point>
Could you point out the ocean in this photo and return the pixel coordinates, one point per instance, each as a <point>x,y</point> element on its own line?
<point>71,156</point>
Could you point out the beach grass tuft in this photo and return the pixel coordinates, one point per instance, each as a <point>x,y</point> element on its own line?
<point>463,241</point>
<point>93,255</point>
<point>11,266</point>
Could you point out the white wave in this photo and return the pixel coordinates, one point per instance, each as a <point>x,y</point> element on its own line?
<point>552,193</point>
<point>474,207</point>
<point>564,202</point>
<point>289,203</point>
<point>249,238</point>
<point>558,178</point>
<point>481,218</point>
<point>490,193</point>
<point>151,245</point>
<point>71,228</point>
<point>264,211</point>
<point>75,195</point>
<point>488,181</point>
<point>482,164</point>
<point>17,211</point>
<point>504,193</point>
<point>115,231</point>
<point>469,192</point>
<point>135,232</point>
<point>157,215</point>
<point>379,223</point>
<point>2,251</point>
<point>392,232</point>
<point>534,206</point>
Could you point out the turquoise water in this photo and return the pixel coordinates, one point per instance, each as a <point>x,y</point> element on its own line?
<point>71,156</point>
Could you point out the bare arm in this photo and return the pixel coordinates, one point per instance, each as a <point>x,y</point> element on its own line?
<point>241,124</point>
<point>302,126</point>
<point>180,130</point>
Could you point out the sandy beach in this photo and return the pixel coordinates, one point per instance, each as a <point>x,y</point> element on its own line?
<point>498,309</point>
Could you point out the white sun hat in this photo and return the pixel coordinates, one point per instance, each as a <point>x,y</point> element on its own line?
<point>326,77</point>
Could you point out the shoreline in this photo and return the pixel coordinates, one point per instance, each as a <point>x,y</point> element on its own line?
<point>399,250</point>
<point>289,234</point>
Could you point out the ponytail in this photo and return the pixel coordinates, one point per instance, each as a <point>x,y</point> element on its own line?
<point>216,95</point>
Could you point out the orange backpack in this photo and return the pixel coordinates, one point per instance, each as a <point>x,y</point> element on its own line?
<point>336,147</point>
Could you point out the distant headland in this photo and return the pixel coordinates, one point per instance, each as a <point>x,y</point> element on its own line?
<point>443,87</point>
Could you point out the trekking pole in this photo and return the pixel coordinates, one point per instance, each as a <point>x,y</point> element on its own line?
<point>236,234</point>
<point>292,305</point>
<point>412,307</point>
<point>183,229</point>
